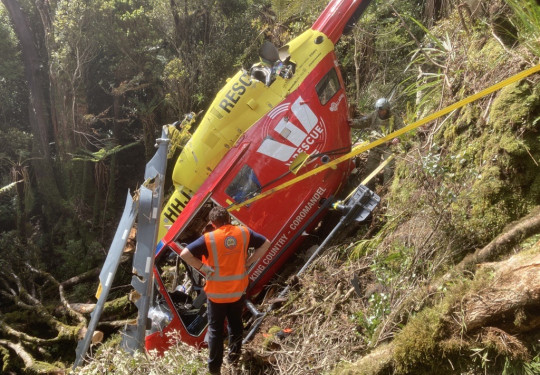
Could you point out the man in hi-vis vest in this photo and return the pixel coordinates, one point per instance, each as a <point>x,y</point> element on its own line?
<point>222,255</point>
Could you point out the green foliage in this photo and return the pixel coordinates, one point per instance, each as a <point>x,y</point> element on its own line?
<point>365,247</point>
<point>514,107</point>
<point>474,168</point>
<point>485,56</point>
<point>428,60</point>
<point>8,188</point>
<point>72,252</point>
<point>14,253</point>
<point>13,92</point>
<point>526,18</point>
<point>488,163</point>
<point>6,360</point>
<point>382,42</point>
<point>175,78</point>
<point>521,367</point>
<point>208,42</point>
<point>106,49</point>
<point>476,174</point>
<point>16,146</point>
<point>368,321</point>
<point>179,359</point>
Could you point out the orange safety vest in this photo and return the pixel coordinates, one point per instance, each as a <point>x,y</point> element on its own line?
<point>227,254</point>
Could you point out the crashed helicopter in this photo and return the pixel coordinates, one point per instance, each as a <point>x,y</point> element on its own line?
<point>290,112</point>
<point>284,117</point>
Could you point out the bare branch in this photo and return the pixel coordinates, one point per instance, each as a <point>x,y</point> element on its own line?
<point>18,348</point>
<point>75,314</point>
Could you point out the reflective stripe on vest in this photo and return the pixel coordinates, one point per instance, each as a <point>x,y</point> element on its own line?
<point>227,257</point>
<point>221,296</point>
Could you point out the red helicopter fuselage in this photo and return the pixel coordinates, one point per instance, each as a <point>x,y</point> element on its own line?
<point>310,124</point>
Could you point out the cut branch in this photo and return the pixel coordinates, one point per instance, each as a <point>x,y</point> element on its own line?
<point>80,278</point>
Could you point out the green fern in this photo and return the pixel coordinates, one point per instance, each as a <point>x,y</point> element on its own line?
<point>8,188</point>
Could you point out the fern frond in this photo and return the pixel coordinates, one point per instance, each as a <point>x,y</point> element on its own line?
<point>6,189</point>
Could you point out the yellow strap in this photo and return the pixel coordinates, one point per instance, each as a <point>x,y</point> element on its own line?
<point>99,290</point>
<point>364,147</point>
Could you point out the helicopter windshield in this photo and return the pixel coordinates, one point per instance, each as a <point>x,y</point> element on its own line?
<point>244,185</point>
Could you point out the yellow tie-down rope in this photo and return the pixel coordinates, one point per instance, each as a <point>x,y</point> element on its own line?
<point>364,147</point>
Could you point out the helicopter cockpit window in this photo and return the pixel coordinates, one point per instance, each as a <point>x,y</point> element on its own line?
<point>328,86</point>
<point>243,185</point>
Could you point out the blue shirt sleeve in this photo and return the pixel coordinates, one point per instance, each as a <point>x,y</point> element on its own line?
<point>255,239</point>
<point>198,248</point>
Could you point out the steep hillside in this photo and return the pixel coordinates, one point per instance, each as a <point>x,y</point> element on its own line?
<point>429,301</point>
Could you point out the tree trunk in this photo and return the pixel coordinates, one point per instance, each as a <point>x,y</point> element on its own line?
<point>508,305</point>
<point>44,10</point>
<point>18,175</point>
<point>38,110</point>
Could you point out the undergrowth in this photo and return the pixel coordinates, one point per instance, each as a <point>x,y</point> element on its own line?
<point>179,359</point>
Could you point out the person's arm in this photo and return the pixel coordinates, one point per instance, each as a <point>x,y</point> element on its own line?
<point>362,122</point>
<point>190,259</point>
<point>257,254</point>
<point>196,263</point>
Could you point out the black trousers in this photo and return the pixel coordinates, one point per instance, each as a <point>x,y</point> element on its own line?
<point>217,312</point>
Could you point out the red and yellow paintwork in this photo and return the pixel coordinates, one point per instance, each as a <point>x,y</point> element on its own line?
<point>238,106</point>
<point>259,128</point>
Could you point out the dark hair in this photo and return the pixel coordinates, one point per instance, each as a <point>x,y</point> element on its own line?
<point>219,216</point>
